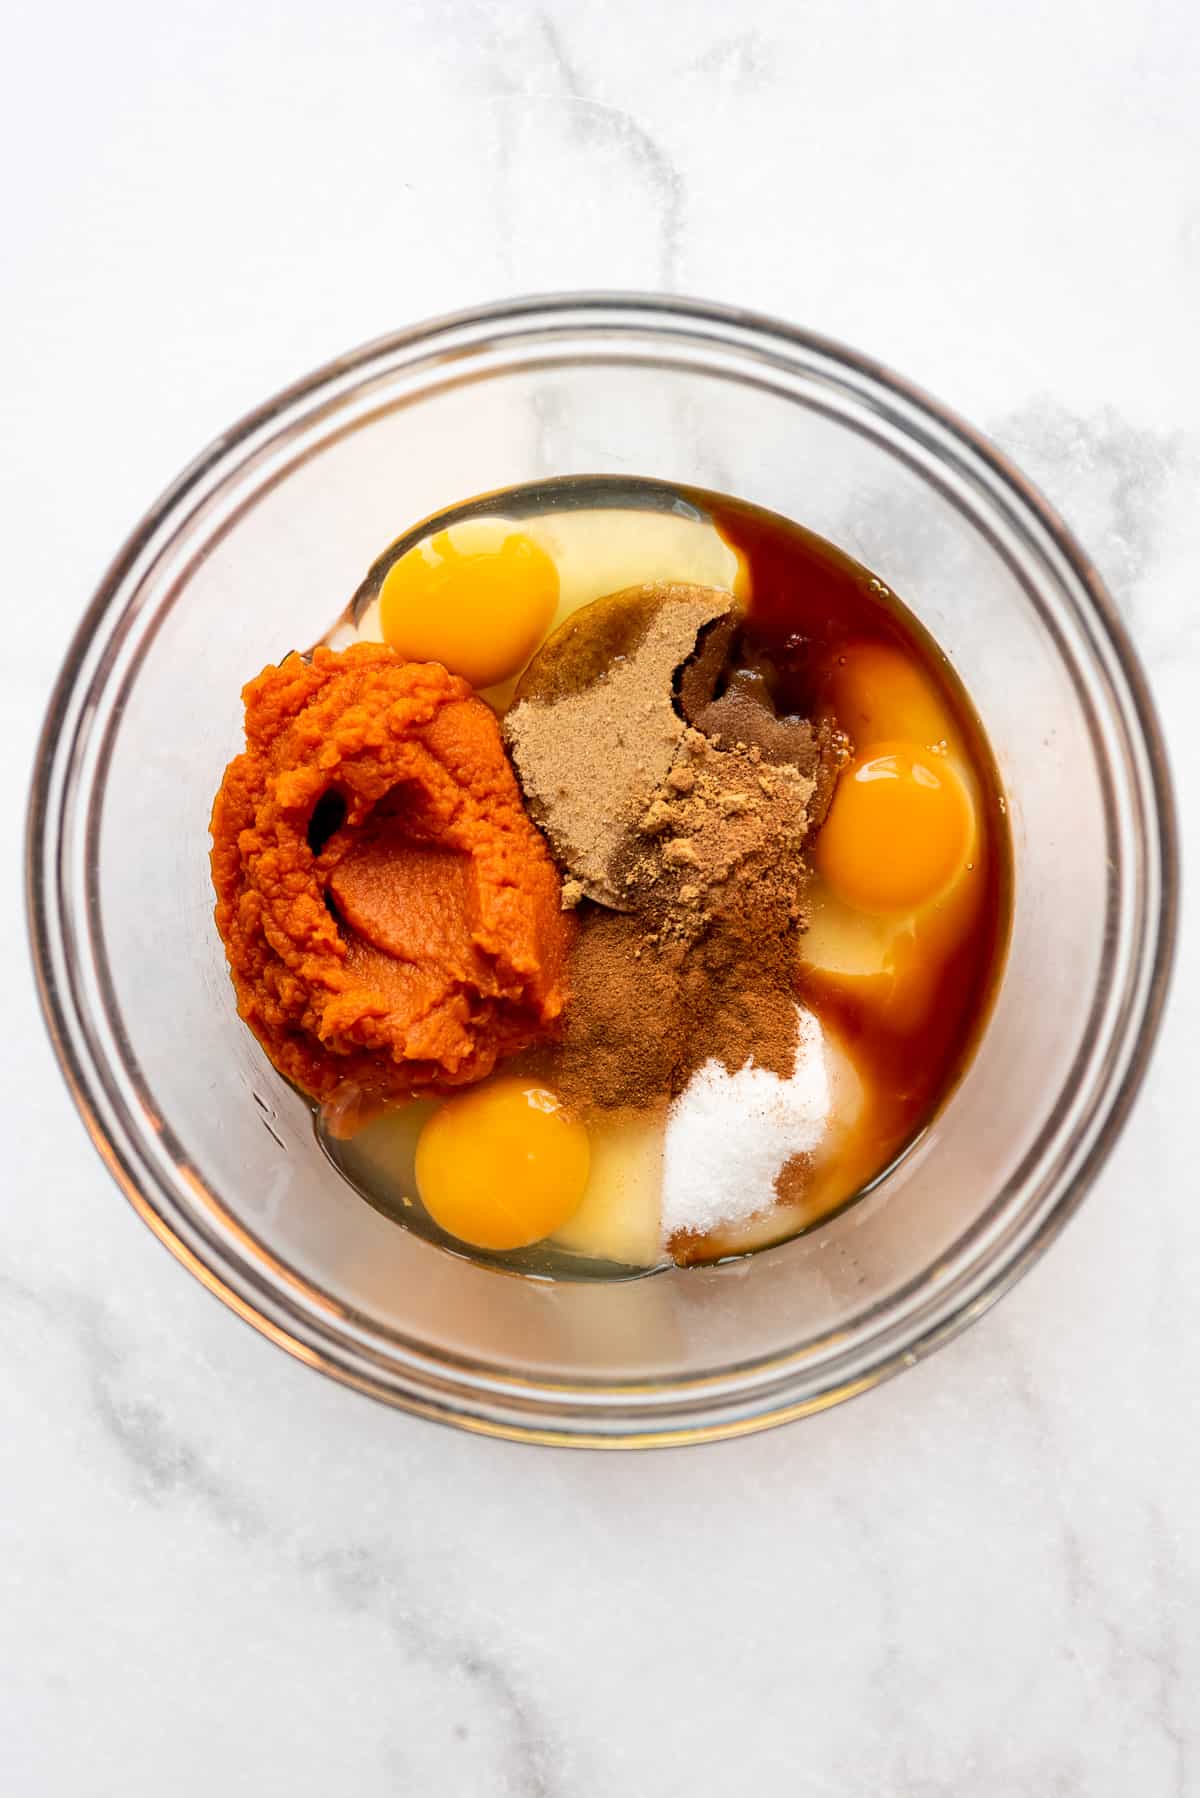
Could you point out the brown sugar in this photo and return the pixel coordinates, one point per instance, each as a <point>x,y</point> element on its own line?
<point>594,732</point>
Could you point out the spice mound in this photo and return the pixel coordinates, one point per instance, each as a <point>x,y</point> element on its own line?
<point>390,914</point>
<point>686,842</point>
<point>685,834</point>
<point>595,730</point>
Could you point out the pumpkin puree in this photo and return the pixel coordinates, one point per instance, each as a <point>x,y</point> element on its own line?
<point>390,914</point>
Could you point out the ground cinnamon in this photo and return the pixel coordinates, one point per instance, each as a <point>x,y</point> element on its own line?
<point>648,1008</point>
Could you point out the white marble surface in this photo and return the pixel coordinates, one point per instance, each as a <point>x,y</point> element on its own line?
<point>220,1574</point>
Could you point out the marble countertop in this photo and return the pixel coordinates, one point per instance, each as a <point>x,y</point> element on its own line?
<point>222,1574</point>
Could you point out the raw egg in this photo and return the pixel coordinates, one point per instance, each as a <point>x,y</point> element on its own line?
<point>618,1216</point>
<point>478,598</point>
<point>502,1165</point>
<point>898,831</point>
<point>878,696</point>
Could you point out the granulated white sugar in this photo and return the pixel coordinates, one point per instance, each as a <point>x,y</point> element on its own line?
<point>730,1135</point>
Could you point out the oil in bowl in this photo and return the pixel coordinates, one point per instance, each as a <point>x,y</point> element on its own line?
<point>782,877</point>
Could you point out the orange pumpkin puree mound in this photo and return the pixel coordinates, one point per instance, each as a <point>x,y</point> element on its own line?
<point>390,914</point>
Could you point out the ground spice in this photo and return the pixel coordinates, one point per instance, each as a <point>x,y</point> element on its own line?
<point>649,1008</point>
<point>609,1057</point>
<point>690,833</point>
<point>719,812</point>
<point>794,1180</point>
<point>736,705</point>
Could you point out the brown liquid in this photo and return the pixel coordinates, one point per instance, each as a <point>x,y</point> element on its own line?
<point>809,603</point>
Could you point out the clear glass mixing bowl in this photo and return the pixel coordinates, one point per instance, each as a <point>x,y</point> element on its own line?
<point>256,547</point>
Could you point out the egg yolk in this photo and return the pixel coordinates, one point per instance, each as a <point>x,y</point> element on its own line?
<point>503,1165</point>
<point>898,831</point>
<point>478,598</point>
<point>879,696</point>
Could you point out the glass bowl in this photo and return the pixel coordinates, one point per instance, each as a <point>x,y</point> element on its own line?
<point>255,549</point>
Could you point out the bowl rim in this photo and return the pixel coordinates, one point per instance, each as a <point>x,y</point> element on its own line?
<point>511,1407</point>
